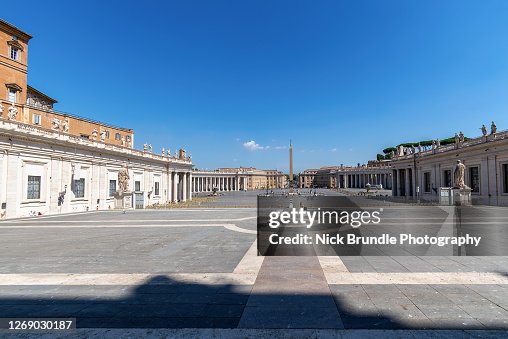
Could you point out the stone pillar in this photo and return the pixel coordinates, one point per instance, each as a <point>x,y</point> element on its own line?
<point>175,187</point>
<point>184,186</point>
<point>407,183</point>
<point>397,181</point>
<point>190,189</point>
<point>169,186</point>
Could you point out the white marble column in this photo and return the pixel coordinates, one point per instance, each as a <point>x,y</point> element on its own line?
<point>184,186</point>
<point>175,187</point>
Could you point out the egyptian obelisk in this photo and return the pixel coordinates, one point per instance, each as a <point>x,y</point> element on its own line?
<point>290,167</point>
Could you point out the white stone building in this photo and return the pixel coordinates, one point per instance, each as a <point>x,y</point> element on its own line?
<point>421,174</point>
<point>374,173</point>
<point>207,181</point>
<point>44,171</point>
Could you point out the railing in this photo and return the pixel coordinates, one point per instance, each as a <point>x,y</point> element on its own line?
<point>502,135</point>
<point>359,169</point>
<point>59,135</point>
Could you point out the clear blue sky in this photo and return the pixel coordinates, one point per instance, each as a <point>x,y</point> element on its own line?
<point>342,79</point>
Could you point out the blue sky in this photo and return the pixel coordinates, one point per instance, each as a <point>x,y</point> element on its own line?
<point>233,81</point>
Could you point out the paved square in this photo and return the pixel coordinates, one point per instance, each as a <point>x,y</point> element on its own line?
<point>198,268</point>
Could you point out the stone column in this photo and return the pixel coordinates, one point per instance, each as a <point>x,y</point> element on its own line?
<point>190,189</point>
<point>175,187</point>
<point>184,186</point>
<point>169,186</point>
<point>398,188</point>
<point>407,184</point>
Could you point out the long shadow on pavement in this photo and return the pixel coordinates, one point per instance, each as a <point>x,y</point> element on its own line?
<point>165,303</point>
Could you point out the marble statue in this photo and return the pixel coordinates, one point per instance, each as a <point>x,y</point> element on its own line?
<point>150,149</point>
<point>123,179</point>
<point>65,125</point>
<point>145,147</point>
<point>493,128</point>
<point>484,130</point>
<point>456,138</point>
<point>168,153</point>
<point>401,151</point>
<point>129,143</point>
<point>433,144</point>
<point>103,135</point>
<point>95,133</point>
<point>55,124</point>
<point>419,148</point>
<point>458,175</point>
<point>438,143</point>
<point>13,112</point>
<point>162,153</point>
<point>122,140</point>
<point>461,137</point>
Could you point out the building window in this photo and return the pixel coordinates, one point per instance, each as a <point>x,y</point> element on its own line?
<point>112,187</point>
<point>426,182</point>
<point>505,178</point>
<point>37,119</point>
<point>12,95</point>
<point>137,186</point>
<point>78,187</point>
<point>34,187</point>
<point>107,134</point>
<point>14,53</point>
<point>117,136</point>
<point>156,188</point>
<point>447,178</point>
<point>474,179</point>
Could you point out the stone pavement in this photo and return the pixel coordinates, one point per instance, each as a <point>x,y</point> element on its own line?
<point>198,268</point>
